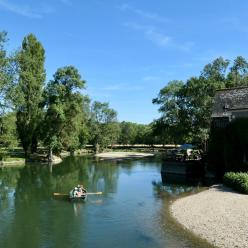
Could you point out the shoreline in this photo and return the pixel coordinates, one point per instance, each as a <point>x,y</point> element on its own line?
<point>40,158</point>
<point>122,155</point>
<point>218,215</point>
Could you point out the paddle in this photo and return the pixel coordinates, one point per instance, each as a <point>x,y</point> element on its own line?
<point>88,193</point>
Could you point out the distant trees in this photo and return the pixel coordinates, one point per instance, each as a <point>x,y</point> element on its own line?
<point>133,133</point>
<point>186,107</point>
<point>103,126</point>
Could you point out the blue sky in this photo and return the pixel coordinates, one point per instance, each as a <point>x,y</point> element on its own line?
<point>128,50</point>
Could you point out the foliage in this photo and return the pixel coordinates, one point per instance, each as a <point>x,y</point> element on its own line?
<point>237,181</point>
<point>103,126</point>
<point>174,120</point>
<point>186,107</point>
<point>3,74</point>
<point>32,75</point>
<point>133,133</point>
<point>64,105</point>
<point>84,130</point>
<point>8,135</point>
<point>128,133</point>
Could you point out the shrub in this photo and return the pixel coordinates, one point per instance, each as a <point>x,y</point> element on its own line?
<point>237,181</point>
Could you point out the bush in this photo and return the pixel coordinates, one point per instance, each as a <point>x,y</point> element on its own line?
<point>237,181</point>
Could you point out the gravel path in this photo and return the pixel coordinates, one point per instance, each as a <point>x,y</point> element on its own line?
<point>218,215</point>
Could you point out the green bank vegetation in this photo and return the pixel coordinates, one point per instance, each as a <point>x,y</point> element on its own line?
<point>237,181</point>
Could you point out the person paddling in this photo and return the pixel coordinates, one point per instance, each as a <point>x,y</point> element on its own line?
<point>79,191</point>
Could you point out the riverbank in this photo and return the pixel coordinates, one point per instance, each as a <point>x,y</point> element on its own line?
<point>218,215</point>
<point>34,158</point>
<point>122,155</point>
<point>13,162</point>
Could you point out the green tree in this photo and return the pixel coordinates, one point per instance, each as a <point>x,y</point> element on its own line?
<point>186,107</point>
<point>8,135</point>
<point>64,114</point>
<point>238,75</point>
<point>3,74</point>
<point>127,133</point>
<point>104,126</point>
<point>84,132</point>
<point>173,115</point>
<point>32,75</point>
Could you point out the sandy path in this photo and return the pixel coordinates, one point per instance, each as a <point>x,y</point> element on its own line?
<point>123,155</point>
<point>218,215</point>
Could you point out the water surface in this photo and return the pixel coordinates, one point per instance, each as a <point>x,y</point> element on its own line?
<point>132,212</point>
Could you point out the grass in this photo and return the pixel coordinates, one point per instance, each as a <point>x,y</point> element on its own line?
<point>237,181</point>
<point>8,159</point>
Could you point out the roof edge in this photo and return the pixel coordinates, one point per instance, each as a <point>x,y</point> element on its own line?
<point>233,88</point>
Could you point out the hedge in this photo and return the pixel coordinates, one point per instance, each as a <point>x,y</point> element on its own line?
<point>237,181</point>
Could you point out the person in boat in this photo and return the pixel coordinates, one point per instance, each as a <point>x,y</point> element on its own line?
<point>79,191</point>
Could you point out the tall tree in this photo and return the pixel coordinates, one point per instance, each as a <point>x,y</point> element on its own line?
<point>104,126</point>
<point>8,137</point>
<point>3,74</point>
<point>63,118</point>
<point>172,109</point>
<point>32,75</point>
<point>238,75</point>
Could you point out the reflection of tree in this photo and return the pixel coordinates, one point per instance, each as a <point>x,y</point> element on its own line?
<point>8,181</point>
<point>37,213</point>
<point>176,185</point>
<point>104,177</point>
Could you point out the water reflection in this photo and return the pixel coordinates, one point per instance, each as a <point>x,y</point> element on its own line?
<point>177,185</point>
<point>131,211</point>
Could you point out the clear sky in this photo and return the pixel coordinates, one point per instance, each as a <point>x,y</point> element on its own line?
<point>128,50</point>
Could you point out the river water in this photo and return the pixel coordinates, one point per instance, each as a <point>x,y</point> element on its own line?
<point>131,212</point>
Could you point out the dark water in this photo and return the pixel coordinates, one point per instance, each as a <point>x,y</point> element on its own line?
<point>132,212</point>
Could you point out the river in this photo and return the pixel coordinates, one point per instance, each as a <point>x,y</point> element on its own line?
<point>131,212</point>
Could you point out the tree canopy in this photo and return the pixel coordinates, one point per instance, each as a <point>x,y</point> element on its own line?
<point>64,105</point>
<point>186,107</point>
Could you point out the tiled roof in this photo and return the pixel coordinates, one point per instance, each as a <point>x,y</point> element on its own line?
<point>229,100</point>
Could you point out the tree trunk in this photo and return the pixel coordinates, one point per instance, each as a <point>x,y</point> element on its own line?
<point>97,148</point>
<point>50,155</point>
<point>34,144</point>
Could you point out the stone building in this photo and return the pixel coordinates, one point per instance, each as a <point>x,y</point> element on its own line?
<point>229,104</point>
<point>228,148</point>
